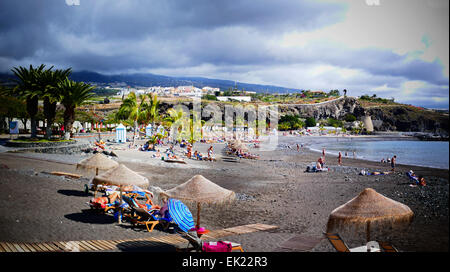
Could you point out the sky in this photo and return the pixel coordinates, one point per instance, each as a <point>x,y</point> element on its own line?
<point>392,48</point>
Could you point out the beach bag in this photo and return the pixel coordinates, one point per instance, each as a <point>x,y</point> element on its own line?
<point>219,246</point>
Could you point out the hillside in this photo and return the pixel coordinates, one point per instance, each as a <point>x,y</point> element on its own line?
<point>147,80</point>
<point>385,117</point>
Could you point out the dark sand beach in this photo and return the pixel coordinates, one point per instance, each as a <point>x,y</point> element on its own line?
<point>36,206</point>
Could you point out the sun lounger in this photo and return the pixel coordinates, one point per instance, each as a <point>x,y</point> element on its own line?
<point>147,215</point>
<point>199,245</point>
<point>146,218</point>
<point>337,242</point>
<point>175,161</point>
<point>387,247</point>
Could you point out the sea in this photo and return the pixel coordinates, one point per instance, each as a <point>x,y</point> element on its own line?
<point>411,152</point>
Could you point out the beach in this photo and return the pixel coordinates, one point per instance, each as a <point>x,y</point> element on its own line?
<point>36,206</point>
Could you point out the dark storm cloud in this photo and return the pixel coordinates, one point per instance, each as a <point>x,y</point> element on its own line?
<point>235,36</point>
<point>27,26</point>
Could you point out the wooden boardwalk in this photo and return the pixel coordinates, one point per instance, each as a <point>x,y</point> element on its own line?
<point>104,245</point>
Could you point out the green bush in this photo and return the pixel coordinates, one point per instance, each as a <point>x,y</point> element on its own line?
<point>350,118</point>
<point>334,123</point>
<point>288,122</point>
<point>310,122</point>
<point>210,97</point>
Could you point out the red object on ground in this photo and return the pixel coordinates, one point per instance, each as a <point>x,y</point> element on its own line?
<point>218,246</point>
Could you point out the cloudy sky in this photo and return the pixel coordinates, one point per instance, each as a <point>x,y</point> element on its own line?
<point>394,48</point>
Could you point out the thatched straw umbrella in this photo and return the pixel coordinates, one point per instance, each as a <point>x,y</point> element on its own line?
<point>121,176</point>
<point>97,162</point>
<point>241,146</point>
<point>233,143</point>
<point>370,208</point>
<point>200,190</point>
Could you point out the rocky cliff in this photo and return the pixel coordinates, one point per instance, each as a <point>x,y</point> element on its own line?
<point>395,117</point>
<point>391,117</point>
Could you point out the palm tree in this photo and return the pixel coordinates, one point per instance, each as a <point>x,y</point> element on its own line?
<point>48,82</point>
<point>132,110</point>
<point>174,120</point>
<point>27,88</point>
<point>151,109</point>
<point>73,94</point>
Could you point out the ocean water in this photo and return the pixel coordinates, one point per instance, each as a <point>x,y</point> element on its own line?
<point>421,153</point>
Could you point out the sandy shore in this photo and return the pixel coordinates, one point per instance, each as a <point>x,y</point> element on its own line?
<point>275,189</point>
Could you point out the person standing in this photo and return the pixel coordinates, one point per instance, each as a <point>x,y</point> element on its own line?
<point>298,148</point>
<point>323,152</point>
<point>340,158</point>
<point>393,162</point>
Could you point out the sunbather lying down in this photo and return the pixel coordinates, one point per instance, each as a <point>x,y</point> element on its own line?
<point>104,201</point>
<point>316,168</point>
<point>374,173</point>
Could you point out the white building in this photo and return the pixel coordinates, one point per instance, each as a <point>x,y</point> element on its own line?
<point>234,98</point>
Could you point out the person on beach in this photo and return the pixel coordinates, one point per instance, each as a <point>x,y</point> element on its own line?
<point>340,158</point>
<point>321,161</point>
<point>393,162</point>
<point>318,166</point>
<point>298,148</point>
<point>422,181</point>
<point>164,208</point>
<point>210,153</point>
<point>323,152</point>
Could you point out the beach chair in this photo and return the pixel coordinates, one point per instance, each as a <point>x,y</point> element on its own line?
<point>337,242</point>
<point>146,218</point>
<point>197,244</point>
<point>385,247</point>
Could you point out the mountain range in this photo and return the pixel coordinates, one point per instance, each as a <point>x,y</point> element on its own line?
<point>147,80</point>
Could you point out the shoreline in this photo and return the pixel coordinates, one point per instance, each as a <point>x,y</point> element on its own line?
<point>124,156</point>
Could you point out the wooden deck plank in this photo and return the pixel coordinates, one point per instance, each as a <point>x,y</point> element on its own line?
<point>262,227</point>
<point>108,244</point>
<point>54,246</point>
<point>17,247</point>
<point>3,248</point>
<point>177,239</point>
<point>40,247</point>
<point>29,248</point>
<point>8,248</point>
<point>93,244</point>
<point>48,246</point>
<point>24,247</point>
<point>240,230</point>
<point>164,239</point>
<point>87,246</point>
<point>101,244</point>
<point>82,246</point>
<point>60,245</point>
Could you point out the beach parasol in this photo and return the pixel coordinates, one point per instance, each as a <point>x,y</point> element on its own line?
<point>200,190</point>
<point>241,146</point>
<point>121,176</point>
<point>181,214</point>
<point>370,209</point>
<point>97,162</point>
<point>94,163</point>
